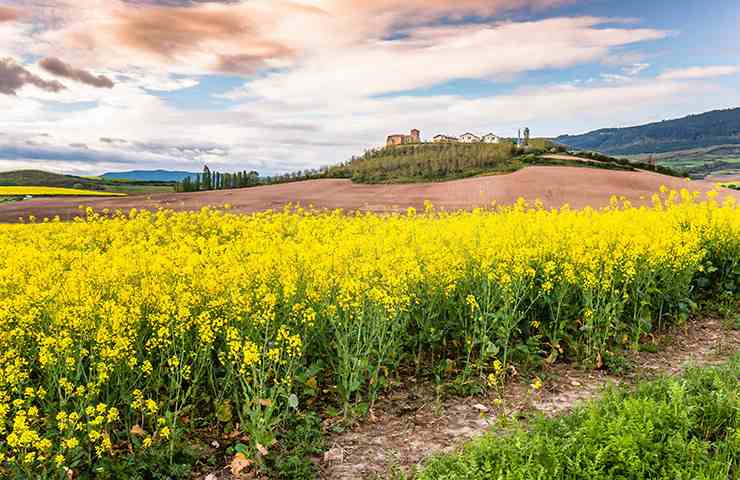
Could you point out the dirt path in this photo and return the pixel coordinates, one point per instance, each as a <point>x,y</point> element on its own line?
<point>410,425</point>
<point>554,186</point>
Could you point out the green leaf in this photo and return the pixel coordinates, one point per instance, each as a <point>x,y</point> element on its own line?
<point>224,412</point>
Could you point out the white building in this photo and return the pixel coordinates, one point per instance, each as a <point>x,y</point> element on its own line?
<point>445,139</point>
<point>469,138</point>
<point>491,138</point>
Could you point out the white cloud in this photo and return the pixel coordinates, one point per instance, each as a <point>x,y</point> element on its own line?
<point>635,69</point>
<point>433,55</point>
<point>696,73</point>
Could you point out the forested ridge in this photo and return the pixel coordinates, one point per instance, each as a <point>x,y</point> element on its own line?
<point>719,127</point>
<point>427,162</point>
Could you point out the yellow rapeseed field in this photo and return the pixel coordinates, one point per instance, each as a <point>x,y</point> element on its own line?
<point>124,337</point>
<point>12,191</point>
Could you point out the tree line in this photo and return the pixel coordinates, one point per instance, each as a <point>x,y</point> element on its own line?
<point>214,180</point>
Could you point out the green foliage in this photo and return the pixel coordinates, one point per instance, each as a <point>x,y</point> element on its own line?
<point>303,437</point>
<point>631,164</point>
<point>428,162</point>
<point>218,181</point>
<point>672,428</point>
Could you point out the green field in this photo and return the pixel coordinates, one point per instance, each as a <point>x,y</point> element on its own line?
<point>136,188</point>
<point>700,162</point>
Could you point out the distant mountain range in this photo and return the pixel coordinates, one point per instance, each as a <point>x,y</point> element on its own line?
<point>149,176</point>
<point>719,127</point>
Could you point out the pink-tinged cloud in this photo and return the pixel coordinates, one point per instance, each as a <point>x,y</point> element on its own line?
<point>13,77</point>
<point>57,67</point>
<point>8,14</point>
<point>241,36</point>
<point>201,38</point>
<point>246,63</point>
<point>698,73</point>
<point>173,32</point>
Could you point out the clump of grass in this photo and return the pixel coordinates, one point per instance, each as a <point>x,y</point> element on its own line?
<point>670,428</point>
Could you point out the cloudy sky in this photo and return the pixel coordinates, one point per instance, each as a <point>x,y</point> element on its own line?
<point>88,86</point>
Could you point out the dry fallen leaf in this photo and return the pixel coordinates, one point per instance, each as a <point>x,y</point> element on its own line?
<point>336,454</point>
<point>239,463</point>
<point>261,449</point>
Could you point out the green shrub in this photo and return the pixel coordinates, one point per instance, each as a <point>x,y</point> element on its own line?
<point>672,428</point>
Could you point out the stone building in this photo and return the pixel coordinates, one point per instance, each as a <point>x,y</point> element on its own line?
<point>394,140</point>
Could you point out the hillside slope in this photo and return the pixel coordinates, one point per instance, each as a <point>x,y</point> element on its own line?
<point>719,127</point>
<point>435,161</point>
<point>45,179</point>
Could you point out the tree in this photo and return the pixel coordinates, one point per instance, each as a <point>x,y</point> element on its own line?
<point>206,181</point>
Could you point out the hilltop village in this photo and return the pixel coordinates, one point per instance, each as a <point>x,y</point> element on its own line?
<point>415,137</point>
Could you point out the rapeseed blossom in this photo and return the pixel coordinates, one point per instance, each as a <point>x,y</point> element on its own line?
<point>109,326</point>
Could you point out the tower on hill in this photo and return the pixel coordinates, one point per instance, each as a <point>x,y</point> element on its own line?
<point>398,139</point>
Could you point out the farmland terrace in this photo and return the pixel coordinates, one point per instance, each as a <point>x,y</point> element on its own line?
<point>554,186</point>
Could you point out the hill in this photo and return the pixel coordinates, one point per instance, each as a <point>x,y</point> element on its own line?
<point>38,178</point>
<point>431,162</point>
<point>719,127</point>
<point>435,161</point>
<point>149,176</point>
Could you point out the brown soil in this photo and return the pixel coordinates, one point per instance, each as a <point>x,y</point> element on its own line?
<point>410,425</point>
<point>554,186</point>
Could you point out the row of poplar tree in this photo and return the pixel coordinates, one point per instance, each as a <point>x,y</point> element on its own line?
<point>209,180</point>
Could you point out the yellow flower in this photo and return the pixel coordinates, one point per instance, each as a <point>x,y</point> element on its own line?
<point>250,354</point>
<point>151,406</point>
<point>71,443</point>
<point>536,383</point>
